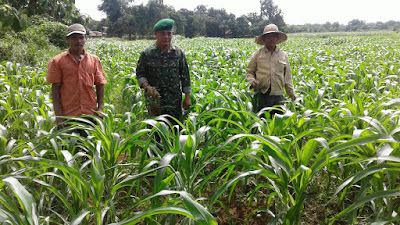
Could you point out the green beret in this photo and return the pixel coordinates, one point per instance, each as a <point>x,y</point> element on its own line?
<point>164,24</point>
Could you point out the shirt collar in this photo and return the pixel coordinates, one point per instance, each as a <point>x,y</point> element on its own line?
<point>171,47</point>
<point>276,49</point>
<point>69,52</point>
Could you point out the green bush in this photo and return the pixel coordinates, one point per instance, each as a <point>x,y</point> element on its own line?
<point>14,49</point>
<point>54,31</point>
<point>28,47</point>
<point>34,44</point>
<point>17,47</point>
<point>33,36</point>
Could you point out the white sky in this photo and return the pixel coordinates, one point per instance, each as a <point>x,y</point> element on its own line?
<point>295,12</point>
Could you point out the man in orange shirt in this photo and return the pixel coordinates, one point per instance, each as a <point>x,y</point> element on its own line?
<point>73,75</point>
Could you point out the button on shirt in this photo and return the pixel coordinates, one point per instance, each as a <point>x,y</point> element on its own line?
<point>272,70</point>
<point>78,96</point>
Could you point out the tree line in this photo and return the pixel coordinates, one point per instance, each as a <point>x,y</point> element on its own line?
<point>15,14</point>
<point>136,21</point>
<point>353,25</point>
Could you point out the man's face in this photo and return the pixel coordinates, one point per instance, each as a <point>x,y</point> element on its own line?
<point>271,39</point>
<point>76,41</point>
<point>164,37</point>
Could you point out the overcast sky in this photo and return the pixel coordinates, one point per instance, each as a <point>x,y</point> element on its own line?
<point>295,12</point>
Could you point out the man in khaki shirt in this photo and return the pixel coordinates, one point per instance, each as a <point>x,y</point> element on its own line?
<point>268,71</point>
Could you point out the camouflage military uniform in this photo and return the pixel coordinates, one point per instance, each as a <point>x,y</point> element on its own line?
<point>168,72</point>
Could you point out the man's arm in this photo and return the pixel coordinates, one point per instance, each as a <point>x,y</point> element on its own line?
<point>184,75</point>
<point>141,72</point>
<point>187,101</point>
<point>289,81</point>
<point>100,98</point>
<point>56,96</point>
<point>251,71</point>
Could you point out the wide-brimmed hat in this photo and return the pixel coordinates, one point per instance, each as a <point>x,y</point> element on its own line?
<point>271,28</point>
<point>75,29</point>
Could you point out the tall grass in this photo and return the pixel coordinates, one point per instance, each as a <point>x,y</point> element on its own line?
<point>335,148</point>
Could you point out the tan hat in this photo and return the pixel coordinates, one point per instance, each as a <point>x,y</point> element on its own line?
<point>271,28</point>
<point>75,29</point>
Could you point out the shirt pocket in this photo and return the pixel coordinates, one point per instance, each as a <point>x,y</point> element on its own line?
<point>89,79</point>
<point>173,67</point>
<point>153,66</point>
<point>280,67</point>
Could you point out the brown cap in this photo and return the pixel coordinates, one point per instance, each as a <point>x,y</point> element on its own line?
<point>75,29</point>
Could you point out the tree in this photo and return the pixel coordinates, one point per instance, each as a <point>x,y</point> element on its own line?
<point>179,21</point>
<point>242,27</point>
<point>156,12</point>
<point>114,9</point>
<point>257,24</point>
<point>188,18</point>
<point>355,25</point>
<point>57,10</point>
<point>11,17</point>
<point>218,22</point>
<point>142,24</point>
<point>271,12</point>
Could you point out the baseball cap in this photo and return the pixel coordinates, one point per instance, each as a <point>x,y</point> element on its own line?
<point>75,29</point>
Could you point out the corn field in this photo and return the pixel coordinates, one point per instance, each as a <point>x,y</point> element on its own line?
<point>332,157</point>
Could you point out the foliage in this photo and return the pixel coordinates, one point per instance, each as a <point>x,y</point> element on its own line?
<point>32,45</point>
<point>10,17</point>
<point>29,48</point>
<point>114,8</point>
<point>28,42</point>
<point>57,10</point>
<point>353,25</point>
<point>136,21</point>
<point>272,13</point>
<point>54,31</point>
<point>331,158</point>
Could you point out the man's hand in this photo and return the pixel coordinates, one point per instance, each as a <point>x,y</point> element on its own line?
<point>56,96</point>
<point>100,115</point>
<point>60,122</point>
<point>254,85</point>
<point>187,102</point>
<point>152,92</point>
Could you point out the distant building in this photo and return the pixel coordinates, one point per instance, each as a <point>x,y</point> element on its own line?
<point>228,34</point>
<point>95,34</point>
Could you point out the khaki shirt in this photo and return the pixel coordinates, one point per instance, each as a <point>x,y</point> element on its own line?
<point>270,69</point>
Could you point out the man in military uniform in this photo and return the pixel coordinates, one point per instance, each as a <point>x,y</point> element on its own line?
<point>163,73</point>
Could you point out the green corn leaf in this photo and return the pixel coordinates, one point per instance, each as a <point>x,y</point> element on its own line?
<point>152,212</point>
<point>25,199</point>
<point>360,202</point>
<point>366,172</point>
<point>165,161</point>
<point>224,187</point>
<point>79,218</point>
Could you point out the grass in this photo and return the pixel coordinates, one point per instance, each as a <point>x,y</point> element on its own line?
<point>335,148</point>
